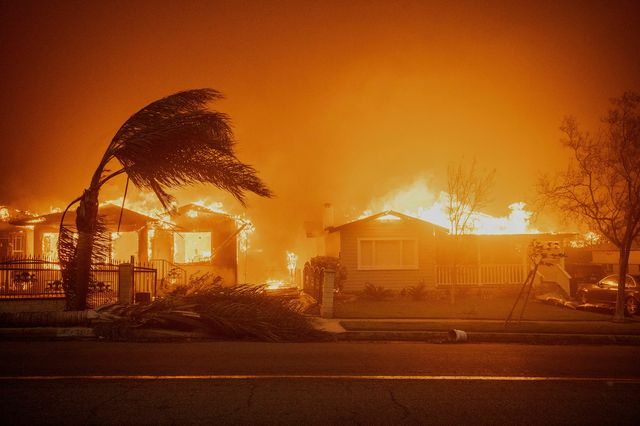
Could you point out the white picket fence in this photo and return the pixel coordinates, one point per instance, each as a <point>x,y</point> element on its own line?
<point>464,275</point>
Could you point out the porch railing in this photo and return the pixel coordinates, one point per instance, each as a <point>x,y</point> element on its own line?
<point>496,274</point>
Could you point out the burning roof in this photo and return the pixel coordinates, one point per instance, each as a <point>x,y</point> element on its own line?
<point>109,212</point>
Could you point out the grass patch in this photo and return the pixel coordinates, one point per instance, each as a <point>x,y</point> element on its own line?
<point>478,326</point>
<point>467,307</point>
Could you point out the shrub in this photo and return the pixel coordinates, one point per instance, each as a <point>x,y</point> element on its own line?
<point>374,292</point>
<point>416,292</point>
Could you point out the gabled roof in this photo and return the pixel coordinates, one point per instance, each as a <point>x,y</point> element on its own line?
<point>392,213</point>
<point>110,212</point>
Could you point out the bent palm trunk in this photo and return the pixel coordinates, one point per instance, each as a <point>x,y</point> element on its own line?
<point>86,222</point>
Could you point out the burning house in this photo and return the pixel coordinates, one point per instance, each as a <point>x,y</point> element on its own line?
<point>131,239</point>
<point>13,240</point>
<point>200,240</point>
<point>194,240</point>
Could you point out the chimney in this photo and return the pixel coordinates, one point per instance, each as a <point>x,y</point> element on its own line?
<point>327,216</point>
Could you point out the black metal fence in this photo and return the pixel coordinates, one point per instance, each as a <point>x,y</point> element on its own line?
<point>25,278</point>
<point>104,288</point>
<point>168,274</point>
<point>35,278</point>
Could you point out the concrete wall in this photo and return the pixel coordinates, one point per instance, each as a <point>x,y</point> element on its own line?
<point>31,305</point>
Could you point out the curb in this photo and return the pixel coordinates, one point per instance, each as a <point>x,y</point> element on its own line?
<point>47,333</point>
<point>479,337</point>
<point>159,335</point>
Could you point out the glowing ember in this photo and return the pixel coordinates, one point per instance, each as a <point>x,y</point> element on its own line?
<point>418,201</point>
<point>272,284</point>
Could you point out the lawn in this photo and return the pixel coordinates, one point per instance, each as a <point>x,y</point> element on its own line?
<point>467,307</point>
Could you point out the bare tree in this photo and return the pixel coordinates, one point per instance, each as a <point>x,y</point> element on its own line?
<point>469,190</point>
<point>172,142</point>
<point>601,186</point>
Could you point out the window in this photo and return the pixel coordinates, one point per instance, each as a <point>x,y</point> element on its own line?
<point>191,247</point>
<point>124,245</point>
<point>387,254</point>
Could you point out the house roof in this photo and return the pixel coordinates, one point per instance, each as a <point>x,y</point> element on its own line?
<point>608,247</point>
<point>192,207</point>
<point>392,213</point>
<point>6,227</point>
<point>110,212</point>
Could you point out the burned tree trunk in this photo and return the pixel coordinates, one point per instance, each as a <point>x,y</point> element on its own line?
<point>623,265</point>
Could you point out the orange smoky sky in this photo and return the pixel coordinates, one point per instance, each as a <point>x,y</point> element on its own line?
<point>332,101</point>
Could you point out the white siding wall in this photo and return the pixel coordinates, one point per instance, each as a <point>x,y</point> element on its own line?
<point>391,279</point>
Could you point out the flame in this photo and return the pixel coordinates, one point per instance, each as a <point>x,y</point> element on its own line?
<point>418,201</point>
<point>145,203</point>
<point>292,260</point>
<point>586,240</point>
<point>247,228</point>
<point>214,206</point>
<point>4,214</point>
<point>272,284</point>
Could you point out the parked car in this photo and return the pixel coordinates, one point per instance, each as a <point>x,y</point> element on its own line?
<point>605,291</point>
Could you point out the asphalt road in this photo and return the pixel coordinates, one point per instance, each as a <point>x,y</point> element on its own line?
<point>320,383</point>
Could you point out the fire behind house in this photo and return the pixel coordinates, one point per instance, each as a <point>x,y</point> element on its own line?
<point>397,251</point>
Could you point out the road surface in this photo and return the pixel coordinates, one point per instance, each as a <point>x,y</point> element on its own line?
<point>318,383</point>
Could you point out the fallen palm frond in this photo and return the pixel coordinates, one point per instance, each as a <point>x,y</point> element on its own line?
<point>236,312</point>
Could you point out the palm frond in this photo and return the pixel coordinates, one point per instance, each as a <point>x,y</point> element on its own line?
<point>237,312</point>
<point>175,142</point>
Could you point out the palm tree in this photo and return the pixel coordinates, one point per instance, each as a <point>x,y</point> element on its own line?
<point>172,142</point>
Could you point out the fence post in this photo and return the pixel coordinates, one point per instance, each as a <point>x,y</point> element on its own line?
<point>125,283</point>
<point>326,308</point>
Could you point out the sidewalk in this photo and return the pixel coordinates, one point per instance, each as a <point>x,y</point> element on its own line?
<point>437,330</point>
<point>418,330</point>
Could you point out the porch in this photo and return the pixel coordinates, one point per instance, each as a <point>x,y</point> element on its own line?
<point>487,275</point>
